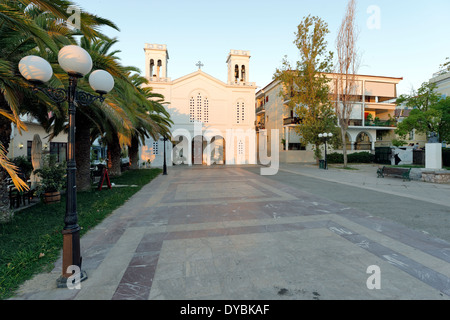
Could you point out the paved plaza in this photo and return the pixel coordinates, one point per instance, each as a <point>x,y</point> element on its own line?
<point>219,233</point>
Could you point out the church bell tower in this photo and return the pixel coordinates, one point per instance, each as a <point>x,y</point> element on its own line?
<point>238,66</point>
<point>156,60</point>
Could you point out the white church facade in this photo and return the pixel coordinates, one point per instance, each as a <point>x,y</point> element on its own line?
<point>214,122</point>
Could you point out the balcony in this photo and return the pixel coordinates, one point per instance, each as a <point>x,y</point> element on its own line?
<point>260,126</point>
<point>373,123</point>
<point>291,121</point>
<point>287,98</point>
<point>381,123</point>
<point>261,109</point>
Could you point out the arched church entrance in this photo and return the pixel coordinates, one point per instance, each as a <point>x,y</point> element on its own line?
<point>218,150</point>
<point>198,146</point>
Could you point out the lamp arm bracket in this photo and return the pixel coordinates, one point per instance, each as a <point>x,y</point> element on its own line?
<point>85,99</point>
<point>57,95</point>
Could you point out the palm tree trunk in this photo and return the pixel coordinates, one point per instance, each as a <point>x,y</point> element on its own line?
<point>133,153</point>
<point>5,138</point>
<point>114,151</point>
<point>83,152</point>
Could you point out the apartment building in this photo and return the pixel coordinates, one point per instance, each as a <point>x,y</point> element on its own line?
<point>372,122</point>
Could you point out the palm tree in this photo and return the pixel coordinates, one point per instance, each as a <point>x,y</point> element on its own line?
<point>18,34</point>
<point>96,115</point>
<point>154,122</point>
<point>125,113</point>
<point>37,27</point>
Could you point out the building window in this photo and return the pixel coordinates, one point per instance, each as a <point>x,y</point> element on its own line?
<point>240,148</point>
<point>192,110</point>
<point>199,109</point>
<point>29,145</point>
<point>240,112</point>
<point>155,150</point>
<point>206,110</point>
<point>59,149</point>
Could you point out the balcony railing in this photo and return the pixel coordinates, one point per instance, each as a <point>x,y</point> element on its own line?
<point>380,123</point>
<point>260,109</point>
<point>242,83</point>
<point>260,126</point>
<point>291,120</point>
<point>159,79</point>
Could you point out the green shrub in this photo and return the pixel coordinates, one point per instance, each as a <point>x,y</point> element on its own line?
<point>359,157</point>
<point>25,166</point>
<point>335,158</point>
<point>446,157</point>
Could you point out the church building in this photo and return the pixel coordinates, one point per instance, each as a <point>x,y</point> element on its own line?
<point>214,122</point>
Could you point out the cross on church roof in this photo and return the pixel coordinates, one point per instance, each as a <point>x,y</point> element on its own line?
<point>199,65</point>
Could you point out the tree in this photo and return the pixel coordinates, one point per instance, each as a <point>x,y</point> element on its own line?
<point>32,27</point>
<point>345,86</point>
<point>306,87</point>
<point>430,112</point>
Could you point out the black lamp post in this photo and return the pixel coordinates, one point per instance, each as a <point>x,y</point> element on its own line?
<point>326,137</point>
<point>77,63</point>
<point>165,164</point>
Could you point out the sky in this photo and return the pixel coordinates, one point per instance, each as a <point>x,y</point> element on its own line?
<point>397,38</point>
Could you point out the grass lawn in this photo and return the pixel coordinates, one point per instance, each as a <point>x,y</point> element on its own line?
<point>32,241</point>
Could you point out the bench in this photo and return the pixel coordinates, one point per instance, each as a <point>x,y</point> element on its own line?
<point>395,172</point>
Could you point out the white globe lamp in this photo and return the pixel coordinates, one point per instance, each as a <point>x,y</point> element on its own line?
<point>35,69</point>
<point>75,60</point>
<point>101,81</point>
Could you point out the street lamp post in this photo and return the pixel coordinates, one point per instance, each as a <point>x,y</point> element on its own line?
<point>326,137</point>
<point>77,63</point>
<point>165,164</point>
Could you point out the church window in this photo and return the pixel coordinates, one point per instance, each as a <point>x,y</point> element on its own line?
<point>238,118</point>
<point>198,116</point>
<point>236,73</point>
<point>192,109</point>
<point>240,148</point>
<point>155,148</point>
<point>240,112</point>
<point>206,110</point>
<point>199,109</point>
<point>243,73</point>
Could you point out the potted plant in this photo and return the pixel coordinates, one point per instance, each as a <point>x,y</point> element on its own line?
<point>369,119</point>
<point>53,178</point>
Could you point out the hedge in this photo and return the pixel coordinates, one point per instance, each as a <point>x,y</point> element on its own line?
<point>359,157</point>
<point>446,157</point>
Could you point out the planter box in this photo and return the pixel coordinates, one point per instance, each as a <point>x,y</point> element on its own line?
<point>436,177</point>
<point>52,197</point>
